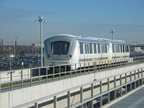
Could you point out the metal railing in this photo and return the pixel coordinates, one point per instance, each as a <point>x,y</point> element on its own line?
<point>96,93</point>
<point>16,79</point>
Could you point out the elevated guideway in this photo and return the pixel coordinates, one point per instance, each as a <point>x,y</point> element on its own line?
<point>69,90</point>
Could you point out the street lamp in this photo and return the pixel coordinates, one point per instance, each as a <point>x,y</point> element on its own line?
<point>112,31</point>
<point>40,20</point>
<point>10,58</point>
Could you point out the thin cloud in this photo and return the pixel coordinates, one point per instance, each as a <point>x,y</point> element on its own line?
<point>17,14</point>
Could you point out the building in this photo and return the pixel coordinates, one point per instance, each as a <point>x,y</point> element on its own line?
<point>1,42</point>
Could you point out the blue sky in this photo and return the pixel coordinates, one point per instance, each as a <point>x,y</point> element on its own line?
<point>88,18</point>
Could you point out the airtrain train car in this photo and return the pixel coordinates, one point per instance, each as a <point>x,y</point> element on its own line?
<point>70,49</point>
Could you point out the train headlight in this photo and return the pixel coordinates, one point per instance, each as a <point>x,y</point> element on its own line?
<point>67,58</point>
<point>70,55</point>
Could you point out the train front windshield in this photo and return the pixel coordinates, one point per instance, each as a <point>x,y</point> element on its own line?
<point>59,47</point>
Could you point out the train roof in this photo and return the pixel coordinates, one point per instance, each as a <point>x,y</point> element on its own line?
<point>89,39</point>
<point>66,35</point>
<point>119,42</point>
<point>101,40</point>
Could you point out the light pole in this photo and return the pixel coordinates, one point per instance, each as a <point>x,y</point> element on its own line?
<point>41,20</point>
<point>10,58</point>
<point>112,31</point>
<point>15,44</point>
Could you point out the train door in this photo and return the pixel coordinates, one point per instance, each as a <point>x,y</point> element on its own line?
<point>83,54</point>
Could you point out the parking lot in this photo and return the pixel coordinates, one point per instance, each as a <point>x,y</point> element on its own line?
<point>7,63</point>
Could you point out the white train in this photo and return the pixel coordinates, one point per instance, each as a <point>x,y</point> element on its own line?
<point>69,49</point>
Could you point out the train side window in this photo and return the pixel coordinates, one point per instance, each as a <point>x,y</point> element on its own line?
<point>102,48</point>
<point>91,49</point>
<point>121,48</point>
<point>95,49</point>
<point>105,48</point>
<point>85,48</point>
<point>99,49</point>
<point>113,48</point>
<point>116,46</point>
<point>81,48</point>
<point>127,49</point>
<point>88,49</point>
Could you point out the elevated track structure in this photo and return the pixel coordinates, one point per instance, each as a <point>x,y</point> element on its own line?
<point>88,87</point>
